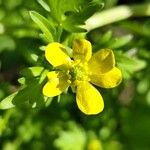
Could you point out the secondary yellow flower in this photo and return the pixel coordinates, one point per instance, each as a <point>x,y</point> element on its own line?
<point>80,72</point>
<point>94,144</point>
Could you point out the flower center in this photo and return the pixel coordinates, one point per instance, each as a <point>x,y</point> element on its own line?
<point>78,71</point>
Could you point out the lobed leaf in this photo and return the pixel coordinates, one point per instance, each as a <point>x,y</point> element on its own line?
<point>7,102</point>
<point>44,25</point>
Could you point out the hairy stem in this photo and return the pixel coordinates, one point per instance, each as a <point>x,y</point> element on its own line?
<point>116,14</point>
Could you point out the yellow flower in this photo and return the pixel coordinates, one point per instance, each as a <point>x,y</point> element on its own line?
<point>94,144</point>
<point>80,72</point>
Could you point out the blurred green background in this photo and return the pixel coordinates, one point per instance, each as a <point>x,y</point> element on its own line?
<point>125,121</point>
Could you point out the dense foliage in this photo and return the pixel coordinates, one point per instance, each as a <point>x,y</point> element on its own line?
<point>26,27</point>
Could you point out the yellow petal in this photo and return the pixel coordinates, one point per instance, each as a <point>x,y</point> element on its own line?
<point>107,80</point>
<point>82,50</point>
<point>57,83</point>
<point>102,61</point>
<point>55,55</point>
<point>89,99</point>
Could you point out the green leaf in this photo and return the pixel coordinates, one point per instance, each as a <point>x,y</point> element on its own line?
<point>120,42</point>
<point>22,80</point>
<point>106,37</point>
<point>7,102</point>
<point>60,7</point>
<point>44,5</point>
<point>30,95</point>
<point>6,43</point>
<point>44,25</point>
<point>32,71</point>
<point>73,14</point>
<point>102,39</point>
<point>129,65</point>
<point>74,21</point>
<point>70,26</point>
<point>48,101</point>
<point>143,85</point>
<point>134,26</point>
<point>43,76</point>
<point>71,132</point>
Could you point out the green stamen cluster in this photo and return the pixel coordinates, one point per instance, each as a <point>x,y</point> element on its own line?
<point>78,72</point>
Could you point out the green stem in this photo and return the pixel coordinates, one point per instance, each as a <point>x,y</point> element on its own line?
<point>117,14</point>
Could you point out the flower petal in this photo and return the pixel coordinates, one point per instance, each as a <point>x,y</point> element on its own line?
<point>107,80</point>
<point>57,83</point>
<point>102,61</point>
<point>82,50</point>
<point>55,55</point>
<point>89,100</point>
